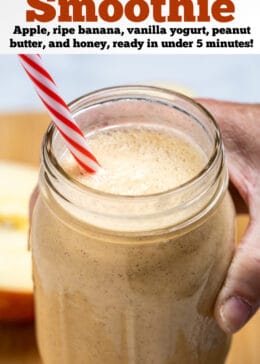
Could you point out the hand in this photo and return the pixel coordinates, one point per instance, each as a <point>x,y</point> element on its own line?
<point>239,298</point>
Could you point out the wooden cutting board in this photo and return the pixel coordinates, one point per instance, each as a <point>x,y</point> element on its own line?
<point>20,139</point>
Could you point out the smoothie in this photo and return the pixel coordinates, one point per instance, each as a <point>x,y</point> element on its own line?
<point>104,296</point>
<point>139,161</point>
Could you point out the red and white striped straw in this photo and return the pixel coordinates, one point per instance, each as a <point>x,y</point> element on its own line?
<point>59,112</point>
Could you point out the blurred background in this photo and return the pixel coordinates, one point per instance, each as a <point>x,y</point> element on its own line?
<point>227,77</point>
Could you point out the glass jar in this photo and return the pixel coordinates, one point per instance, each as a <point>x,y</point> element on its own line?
<point>132,279</point>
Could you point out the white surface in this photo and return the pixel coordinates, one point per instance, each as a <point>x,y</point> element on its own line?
<point>229,77</point>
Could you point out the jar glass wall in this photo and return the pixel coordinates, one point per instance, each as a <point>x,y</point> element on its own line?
<point>132,279</point>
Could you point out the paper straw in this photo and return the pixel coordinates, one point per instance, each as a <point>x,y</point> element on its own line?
<point>59,112</point>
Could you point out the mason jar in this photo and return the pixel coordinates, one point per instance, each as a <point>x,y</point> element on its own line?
<point>132,279</point>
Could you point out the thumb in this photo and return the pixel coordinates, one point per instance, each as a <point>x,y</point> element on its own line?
<point>239,298</point>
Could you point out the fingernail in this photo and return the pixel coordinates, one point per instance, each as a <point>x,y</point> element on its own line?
<point>234,313</point>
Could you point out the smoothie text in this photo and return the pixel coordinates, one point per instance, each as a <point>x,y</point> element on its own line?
<point>133,10</point>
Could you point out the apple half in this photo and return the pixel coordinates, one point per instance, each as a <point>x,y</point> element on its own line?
<point>16,288</point>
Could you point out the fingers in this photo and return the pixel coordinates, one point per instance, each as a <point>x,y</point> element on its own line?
<point>240,128</point>
<point>232,119</point>
<point>239,298</point>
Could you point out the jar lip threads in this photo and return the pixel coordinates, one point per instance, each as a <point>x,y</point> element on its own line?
<point>112,107</point>
<point>136,93</point>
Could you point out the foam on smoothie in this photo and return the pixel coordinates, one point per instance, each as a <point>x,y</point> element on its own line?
<point>139,160</point>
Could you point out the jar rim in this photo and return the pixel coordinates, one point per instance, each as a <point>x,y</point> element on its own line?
<point>131,92</point>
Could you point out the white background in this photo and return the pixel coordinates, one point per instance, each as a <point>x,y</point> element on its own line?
<point>247,14</point>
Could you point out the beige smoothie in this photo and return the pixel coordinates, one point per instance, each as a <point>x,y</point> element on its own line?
<point>104,296</point>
